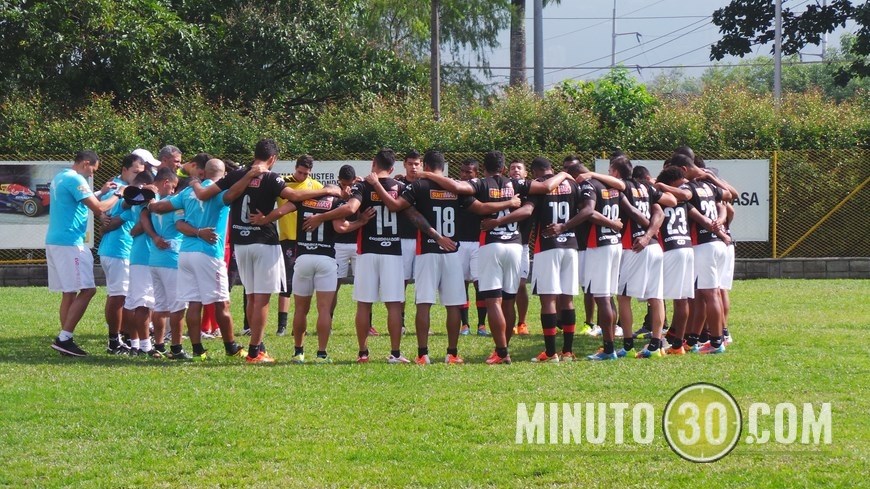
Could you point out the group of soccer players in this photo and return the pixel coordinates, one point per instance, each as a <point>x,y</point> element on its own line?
<point>167,230</point>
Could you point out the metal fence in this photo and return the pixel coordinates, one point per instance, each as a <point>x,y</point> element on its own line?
<point>819,199</point>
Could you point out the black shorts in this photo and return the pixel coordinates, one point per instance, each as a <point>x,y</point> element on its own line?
<point>288,250</point>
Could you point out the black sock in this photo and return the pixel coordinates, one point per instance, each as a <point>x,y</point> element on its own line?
<point>231,347</point>
<point>321,353</point>
<point>627,342</point>
<point>262,347</point>
<point>395,353</point>
<point>568,320</point>
<point>176,349</point>
<point>608,347</point>
<point>198,349</point>
<point>715,341</point>
<point>463,315</point>
<point>245,308</point>
<point>363,353</point>
<point>654,344</point>
<point>691,339</point>
<point>253,350</point>
<point>705,336</point>
<point>282,319</point>
<point>422,351</point>
<point>481,317</point>
<point>453,351</point>
<point>161,347</point>
<point>725,332</point>
<point>548,321</point>
<point>674,341</point>
<point>297,350</point>
<point>501,351</point>
<point>113,341</point>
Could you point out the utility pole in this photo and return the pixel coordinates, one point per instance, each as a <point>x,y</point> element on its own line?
<point>615,34</point>
<point>539,47</point>
<point>435,60</point>
<point>777,55</point>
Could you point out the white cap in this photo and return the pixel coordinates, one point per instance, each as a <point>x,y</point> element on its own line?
<point>147,156</point>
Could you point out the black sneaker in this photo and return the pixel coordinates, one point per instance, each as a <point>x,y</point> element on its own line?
<point>642,333</point>
<point>68,347</point>
<point>282,330</point>
<point>120,349</point>
<point>182,355</point>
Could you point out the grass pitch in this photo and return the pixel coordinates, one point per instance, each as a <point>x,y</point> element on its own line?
<point>118,422</point>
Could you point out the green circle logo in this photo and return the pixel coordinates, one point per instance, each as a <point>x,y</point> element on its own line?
<point>702,422</point>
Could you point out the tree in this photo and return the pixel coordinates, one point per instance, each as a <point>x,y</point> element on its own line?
<point>518,40</point>
<point>745,23</point>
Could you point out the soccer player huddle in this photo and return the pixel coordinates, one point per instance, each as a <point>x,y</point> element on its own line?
<point>171,232</point>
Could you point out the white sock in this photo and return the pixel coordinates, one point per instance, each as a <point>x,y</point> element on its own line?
<point>64,335</point>
<point>134,343</point>
<point>145,344</point>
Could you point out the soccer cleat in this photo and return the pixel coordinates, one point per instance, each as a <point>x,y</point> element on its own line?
<point>217,333</point>
<point>600,355</point>
<point>592,329</point>
<point>650,354</point>
<point>675,351</point>
<point>521,330</point>
<point>642,333</point>
<point>400,359</point>
<point>298,359</point>
<point>282,330</point>
<point>422,360</point>
<point>691,349</point>
<point>121,349</point>
<point>362,359</point>
<point>154,353</point>
<point>494,359</point>
<point>246,332</point>
<point>453,360</point>
<point>464,330</point>
<point>618,331</point>
<point>206,336</point>
<point>322,360</point>
<point>182,355</point>
<point>727,340</point>
<point>567,356</point>
<point>200,357</point>
<point>544,358</point>
<point>622,353</point>
<point>373,332</point>
<point>68,348</point>
<point>709,349</point>
<point>481,331</point>
<point>261,358</point>
<point>238,352</point>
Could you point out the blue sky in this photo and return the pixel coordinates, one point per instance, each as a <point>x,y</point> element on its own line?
<point>673,32</point>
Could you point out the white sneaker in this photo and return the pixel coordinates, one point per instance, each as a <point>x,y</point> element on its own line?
<point>618,331</point>
<point>399,359</point>
<point>595,331</point>
<point>206,336</point>
<point>728,340</point>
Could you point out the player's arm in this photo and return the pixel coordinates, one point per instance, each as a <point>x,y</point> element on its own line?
<point>600,219</point>
<point>426,228</point>
<point>520,214</point>
<point>148,228</point>
<point>630,211</point>
<point>298,195</point>
<point>545,187</point>
<point>314,221</point>
<point>722,184</point>
<point>109,223</point>
<point>489,208</point>
<point>394,205</point>
<point>449,184</point>
<point>607,180</point>
<point>656,218</point>
<point>729,214</point>
<point>206,234</point>
<point>258,219</point>
<point>97,206</point>
<point>345,226</point>
<point>667,199</point>
<point>587,207</point>
<point>161,206</point>
<point>681,194</point>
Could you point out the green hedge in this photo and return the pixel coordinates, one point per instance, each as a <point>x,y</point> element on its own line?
<point>716,120</point>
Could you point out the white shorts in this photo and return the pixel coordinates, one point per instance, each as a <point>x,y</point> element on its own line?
<point>165,282</point>
<point>345,257</point>
<point>202,278</point>
<point>314,273</point>
<point>525,263</point>
<point>409,255</point>
<point>261,268</point>
<point>141,291</point>
<point>728,275</point>
<point>499,267</point>
<point>70,268</point>
<point>468,259</point>
<point>117,271</point>
<point>709,265</point>
<point>441,274</point>
<point>379,278</point>
<point>601,270</point>
<point>581,272</point>
<point>640,274</point>
<point>679,274</point>
<point>555,272</point>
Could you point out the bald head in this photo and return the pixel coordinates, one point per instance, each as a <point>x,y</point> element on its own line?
<point>214,169</point>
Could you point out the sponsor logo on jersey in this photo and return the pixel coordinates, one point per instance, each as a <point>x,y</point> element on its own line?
<point>317,204</point>
<point>377,198</point>
<point>609,194</point>
<point>501,193</point>
<point>441,195</point>
<point>703,192</point>
<point>255,182</point>
<point>564,188</point>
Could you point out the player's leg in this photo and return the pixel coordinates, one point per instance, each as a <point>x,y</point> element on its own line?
<point>363,313</point>
<point>324,323</point>
<point>421,322</point>
<point>302,304</point>
<point>225,322</point>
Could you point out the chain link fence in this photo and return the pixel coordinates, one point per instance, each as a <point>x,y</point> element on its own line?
<point>818,198</point>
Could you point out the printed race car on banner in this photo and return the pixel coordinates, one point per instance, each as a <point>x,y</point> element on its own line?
<point>20,198</point>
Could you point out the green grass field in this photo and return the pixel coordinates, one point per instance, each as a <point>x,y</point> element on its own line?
<point>120,422</point>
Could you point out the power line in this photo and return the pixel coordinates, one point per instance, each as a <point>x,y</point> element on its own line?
<point>600,23</point>
<point>642,17</point>
<point>655,65</point>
